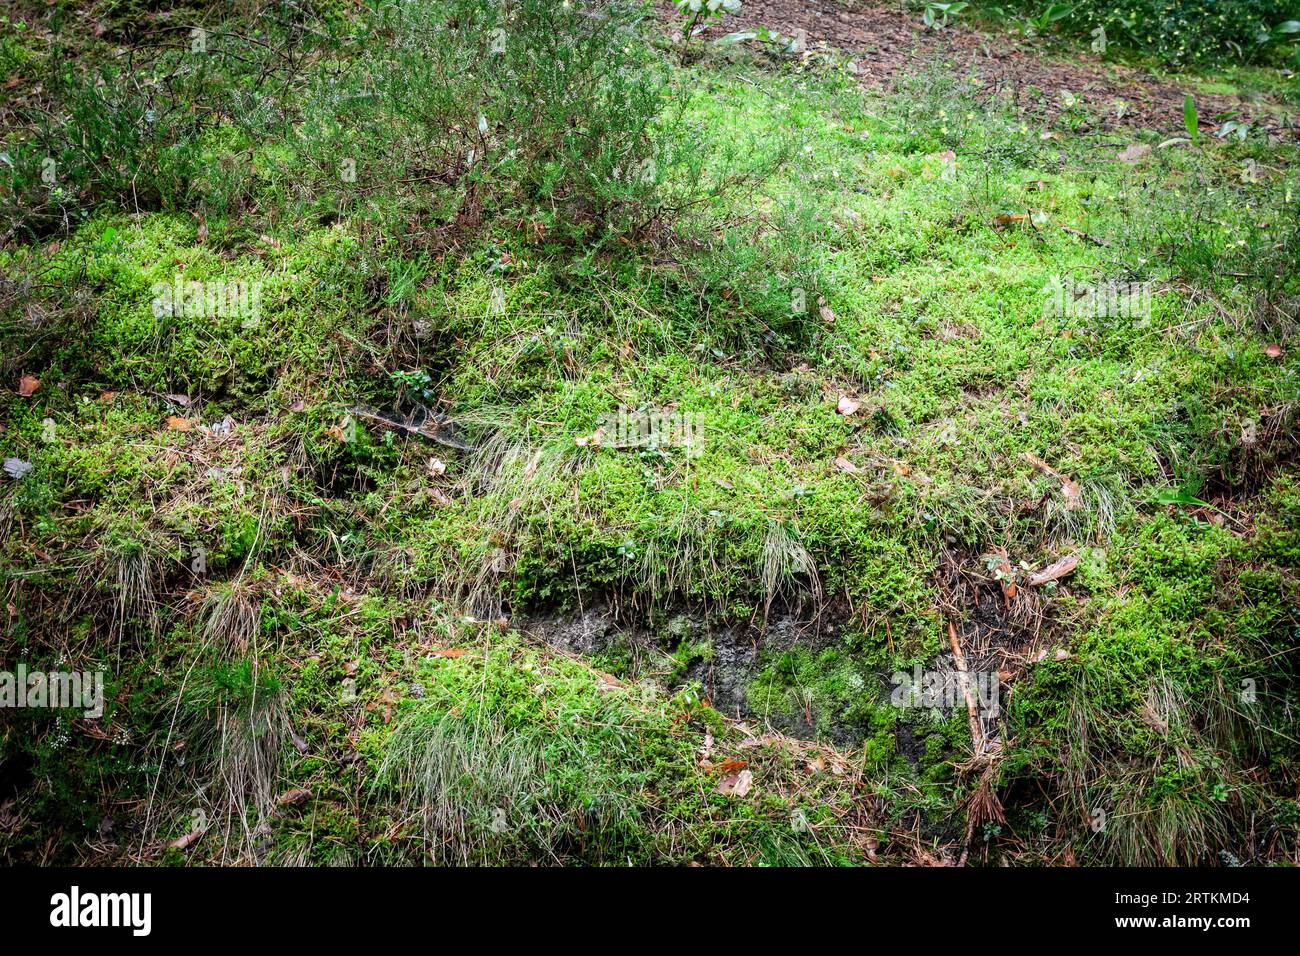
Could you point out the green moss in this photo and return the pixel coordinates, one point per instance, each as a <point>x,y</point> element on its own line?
<point>339,557</point>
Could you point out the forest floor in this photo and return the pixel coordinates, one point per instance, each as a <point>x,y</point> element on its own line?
<point>877,452</point>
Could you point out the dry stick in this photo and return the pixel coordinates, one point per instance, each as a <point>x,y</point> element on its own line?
<point>976,730</point>
<point>1083,235</point>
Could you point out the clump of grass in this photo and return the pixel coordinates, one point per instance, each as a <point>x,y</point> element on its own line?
<point>230,619</point>
<point>788,568</point>
<point>237,727</point>
<point>537,763</point>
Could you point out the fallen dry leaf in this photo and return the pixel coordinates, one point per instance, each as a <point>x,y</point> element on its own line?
<point>1055,570</point>
<point>292,797</point>
<point>843,464</point>
<point>1009,219</point>
<point>181,842</point>
<point>736,784</point>
<point>178,424</point>
<point>27,385</point>
<point>1069,488</point>
<point>706,750</point>
<point>1006,576</point>
<point>450,652</point>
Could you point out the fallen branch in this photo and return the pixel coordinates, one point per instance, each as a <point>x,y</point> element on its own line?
<point>972,710</point>
<point>431,425</point>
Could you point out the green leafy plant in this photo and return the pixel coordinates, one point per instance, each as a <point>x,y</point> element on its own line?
<point>936,14</point>
<point>696,11</point>
<point>1191,119</point>
<point>1046,18</point>
<point>1173,31</point>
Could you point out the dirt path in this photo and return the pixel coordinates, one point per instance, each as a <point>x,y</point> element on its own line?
<point>889,44</point>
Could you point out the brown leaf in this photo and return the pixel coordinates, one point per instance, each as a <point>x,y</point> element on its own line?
<point>736,784</point>
<point>1006,576</point>
<point>1009,219</point>
<point>293,797</point>
<point>843,464</point>
<point>27,385</point>
<point>177,424</point>
<point>181,842</point>
<point>450,652</point>
<point>1069,489</point>
<point>706,750</point>
<point>107,397</point>
<point>1055,571</point>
